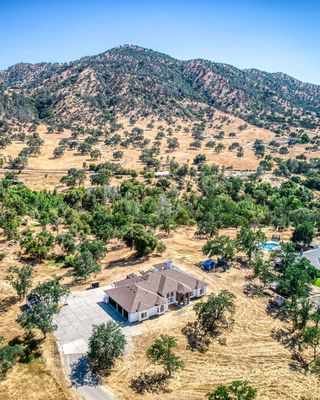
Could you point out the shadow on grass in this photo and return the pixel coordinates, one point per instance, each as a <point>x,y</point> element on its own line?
<point>298,364</point>
<point>31,347</point>
<point>197,340</point>
<point>287,338</point>
<point>254,290</point>
<point>82,374</point>
<point>154,383</point>
<point>6,303</point>
<point>277,312</point>
<point>127,262</point>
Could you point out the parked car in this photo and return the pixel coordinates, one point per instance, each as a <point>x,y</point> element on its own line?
<point>277,300</point>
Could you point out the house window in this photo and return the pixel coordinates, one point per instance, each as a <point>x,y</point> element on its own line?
<point>144,315</point>
<point>162,308</point>
<point>201,291</point>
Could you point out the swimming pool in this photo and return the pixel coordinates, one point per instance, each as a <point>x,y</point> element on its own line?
<point>270,246</point>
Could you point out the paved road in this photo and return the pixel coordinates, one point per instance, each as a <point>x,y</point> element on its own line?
<point>74,326</point>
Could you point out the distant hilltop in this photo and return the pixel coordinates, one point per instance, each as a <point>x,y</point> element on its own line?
<point>131,79</point>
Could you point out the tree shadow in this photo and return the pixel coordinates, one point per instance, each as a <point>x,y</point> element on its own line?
<point>82,373</point>
<point>31,347</point>
<point>252,290</point>
<point>298,364</point>
<point>277,312</point>
<point>197,340</point>
<point>6,303</point>
<point>154,383</point>
<point>287,338</point>
<point>127,262</point>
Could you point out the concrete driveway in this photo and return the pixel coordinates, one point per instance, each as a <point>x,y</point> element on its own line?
<point>74,327</point>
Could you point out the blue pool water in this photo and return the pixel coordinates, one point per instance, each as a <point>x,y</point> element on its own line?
<point>269,246</point>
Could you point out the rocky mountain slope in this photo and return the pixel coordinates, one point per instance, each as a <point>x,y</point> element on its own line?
<point>142,82</point>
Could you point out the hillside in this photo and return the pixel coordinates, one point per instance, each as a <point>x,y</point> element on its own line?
<point>131,80</point>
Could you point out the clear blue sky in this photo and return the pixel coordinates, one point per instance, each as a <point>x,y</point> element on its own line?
<point>273,35</point>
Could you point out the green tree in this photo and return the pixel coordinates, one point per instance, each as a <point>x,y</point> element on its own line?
<point>39,317</point>
<point>222,246</point>
<point>106,343</point>
<point>303,234</point>
<point>237,390</point>
<point>311,338</point>
<point>84,265</point>
<point>101,177</point>
<point>95,247</point>
<point>249,241</point>
<point>299,311</point>
<point>9,222</point>
<point>141,239</point>
<point>216,313</point>
<point>51,291</point>
<point>263,271</point>
<point>38,245</point>
<point>161,352</point>
<point>117,155</point>
<point>20,279</point>
<point>73,177</point>
<point>66,242</point>
<point>95,154</point>
<point>8,357</point>
<point>296,278</point>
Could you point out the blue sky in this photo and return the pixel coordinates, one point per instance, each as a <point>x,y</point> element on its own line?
<point>272,35</point>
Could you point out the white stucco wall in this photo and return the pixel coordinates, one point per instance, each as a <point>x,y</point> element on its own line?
<point>134,317</point>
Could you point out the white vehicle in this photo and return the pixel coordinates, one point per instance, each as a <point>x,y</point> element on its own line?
<point>278,300</point>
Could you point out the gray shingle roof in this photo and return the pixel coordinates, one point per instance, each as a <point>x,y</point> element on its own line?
<point>141,292</point>
<point>313,256</point>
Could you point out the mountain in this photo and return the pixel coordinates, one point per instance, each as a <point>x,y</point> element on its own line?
<point>133,80</point>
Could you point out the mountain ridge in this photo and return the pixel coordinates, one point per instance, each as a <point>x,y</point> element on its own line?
<point>131,79</point>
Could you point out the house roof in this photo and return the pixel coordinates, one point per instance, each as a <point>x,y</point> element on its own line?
<point>313,256</point>
<point>141,292</point>
<point>134,298</point>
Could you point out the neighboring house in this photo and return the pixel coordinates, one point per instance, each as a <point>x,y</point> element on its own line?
<point>161,174</point>
<point>313,256</point>
<point>140,297</point>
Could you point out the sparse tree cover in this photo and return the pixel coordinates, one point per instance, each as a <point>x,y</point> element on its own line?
<point>106,344</point>
<point>161,352</point>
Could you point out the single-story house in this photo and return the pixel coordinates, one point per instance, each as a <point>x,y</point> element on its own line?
<point>162,174</point>
<point>140,297</point>
<point>313,256</point>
